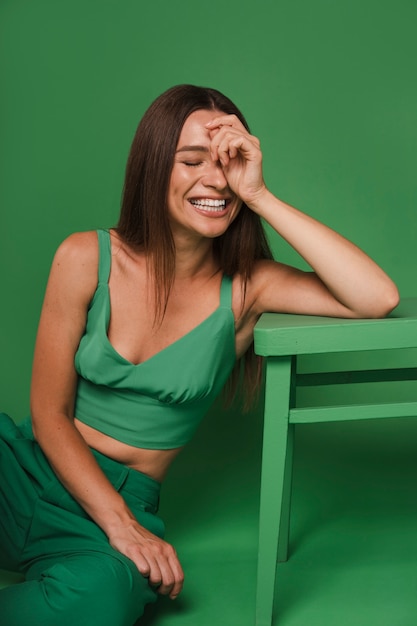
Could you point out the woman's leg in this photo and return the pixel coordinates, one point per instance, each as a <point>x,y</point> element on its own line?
<point>22,471</point>
<point>73,576</point>
<point>90,589</point>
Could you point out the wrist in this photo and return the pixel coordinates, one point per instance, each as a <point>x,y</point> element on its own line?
<point>260,201</point>
<point>115,516</point>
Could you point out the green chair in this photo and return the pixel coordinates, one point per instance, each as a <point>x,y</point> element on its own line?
<point>358,351</point>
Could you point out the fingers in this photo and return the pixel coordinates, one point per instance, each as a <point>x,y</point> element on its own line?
<point>175,588</point>
<point>230,147</point>
<point>231,139</point>
<point>155,558</point>
<point>230,143</point>
<point>226,120</point>
<point>158,561</point>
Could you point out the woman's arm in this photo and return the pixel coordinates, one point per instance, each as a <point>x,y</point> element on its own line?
<point>71,285</point>
<point>345,281</point>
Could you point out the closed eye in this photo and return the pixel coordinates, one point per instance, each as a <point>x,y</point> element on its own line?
<point>192,163</point>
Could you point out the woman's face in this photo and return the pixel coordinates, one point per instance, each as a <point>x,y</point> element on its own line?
<point>200,201</point>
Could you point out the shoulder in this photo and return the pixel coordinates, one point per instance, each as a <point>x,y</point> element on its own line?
<point>248,295</point>
<point>75,264</point>
<point>265,271</point>
<point>79,248</point>
<point>273,285</point>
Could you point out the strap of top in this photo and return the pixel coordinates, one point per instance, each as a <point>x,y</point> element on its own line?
<point>104,266</point>
<point>226,292</point>
<point>104,255</point>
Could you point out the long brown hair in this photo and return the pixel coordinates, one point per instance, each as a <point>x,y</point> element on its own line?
<point>144,222</point>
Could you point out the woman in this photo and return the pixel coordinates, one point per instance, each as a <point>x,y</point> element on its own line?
<point>127,364</point>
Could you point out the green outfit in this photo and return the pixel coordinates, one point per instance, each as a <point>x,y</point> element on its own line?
<point>72,574</point>
<point>159,403</point>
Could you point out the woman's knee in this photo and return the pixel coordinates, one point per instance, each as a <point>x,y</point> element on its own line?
<point>96,590</point>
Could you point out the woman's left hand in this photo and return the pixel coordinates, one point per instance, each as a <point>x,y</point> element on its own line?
<point>240,156</point>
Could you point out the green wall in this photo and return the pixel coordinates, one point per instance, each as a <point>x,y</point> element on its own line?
<point>329,87</point>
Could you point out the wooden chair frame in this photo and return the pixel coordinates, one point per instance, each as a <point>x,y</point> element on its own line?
<point>281,339</point>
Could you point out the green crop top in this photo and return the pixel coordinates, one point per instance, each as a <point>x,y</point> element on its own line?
<point>159,403</point>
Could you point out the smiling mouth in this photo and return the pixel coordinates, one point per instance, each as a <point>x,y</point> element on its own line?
<point>213,206</point>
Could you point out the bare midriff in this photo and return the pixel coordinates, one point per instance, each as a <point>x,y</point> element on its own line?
<point>153,463</point>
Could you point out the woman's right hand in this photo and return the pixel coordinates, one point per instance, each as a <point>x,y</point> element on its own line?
<point>155,558</point>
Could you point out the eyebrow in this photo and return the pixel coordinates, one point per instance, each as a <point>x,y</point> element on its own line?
<point>193,149</point>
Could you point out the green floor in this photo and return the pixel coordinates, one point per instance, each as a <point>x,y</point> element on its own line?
<point>354,528</point>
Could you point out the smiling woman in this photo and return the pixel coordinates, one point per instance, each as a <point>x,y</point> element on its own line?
<point>155,150</point>
<point>199,197</point>
<point>142,325</point>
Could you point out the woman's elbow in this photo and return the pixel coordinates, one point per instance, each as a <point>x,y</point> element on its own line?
<point>386,301</point>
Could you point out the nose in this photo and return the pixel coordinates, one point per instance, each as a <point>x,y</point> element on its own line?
<point>214,176</point>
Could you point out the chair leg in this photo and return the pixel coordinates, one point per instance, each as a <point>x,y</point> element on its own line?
<point>284,528</point>
<point>277,398</point>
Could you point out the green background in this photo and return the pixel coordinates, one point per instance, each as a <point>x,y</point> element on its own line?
<point>330,89</point>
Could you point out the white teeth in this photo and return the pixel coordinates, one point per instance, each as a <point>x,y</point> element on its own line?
<point>210,205</point>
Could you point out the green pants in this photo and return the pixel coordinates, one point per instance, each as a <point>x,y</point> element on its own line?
<point>72,574</point>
